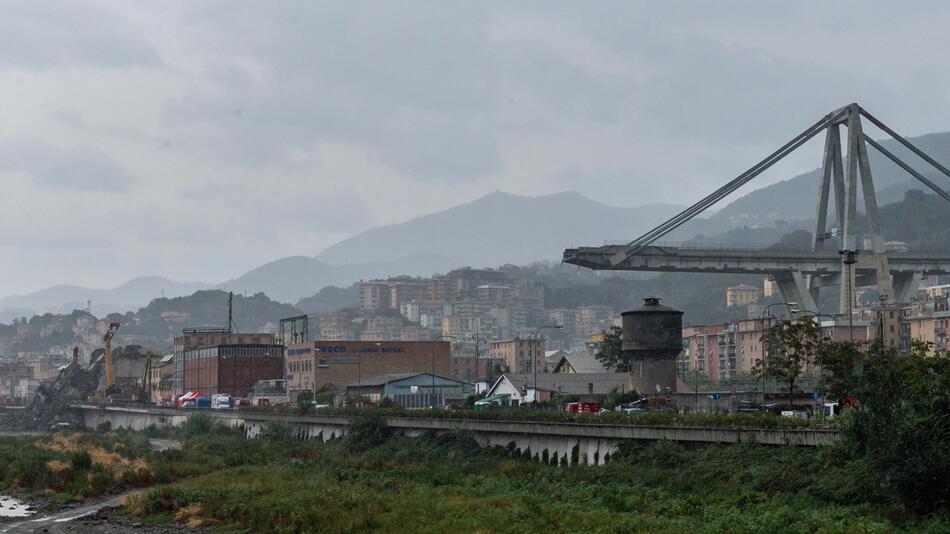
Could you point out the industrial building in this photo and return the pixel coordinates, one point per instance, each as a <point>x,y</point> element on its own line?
<point>197,338</point>
<point>232,369</point>
<point>412,390</point>
<point>319,365</point>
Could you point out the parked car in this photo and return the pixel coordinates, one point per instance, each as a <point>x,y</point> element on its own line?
<point>164,403</point>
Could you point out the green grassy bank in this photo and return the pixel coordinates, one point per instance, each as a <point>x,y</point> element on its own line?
<point>372,481</point>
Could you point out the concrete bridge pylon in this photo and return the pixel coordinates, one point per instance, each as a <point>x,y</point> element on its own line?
<point>801,276</point>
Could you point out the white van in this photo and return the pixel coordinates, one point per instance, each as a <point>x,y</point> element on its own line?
<point>221,402</point>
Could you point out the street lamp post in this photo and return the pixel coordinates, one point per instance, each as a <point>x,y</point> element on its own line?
<point>534,364</point>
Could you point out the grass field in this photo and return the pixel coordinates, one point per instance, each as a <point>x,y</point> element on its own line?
<point>371,481</point>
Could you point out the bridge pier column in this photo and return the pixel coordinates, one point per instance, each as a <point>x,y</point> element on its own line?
<point>906,285</point>
<point>795,288</point>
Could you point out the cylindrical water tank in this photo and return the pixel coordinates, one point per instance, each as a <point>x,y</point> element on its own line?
<point>652,331</point>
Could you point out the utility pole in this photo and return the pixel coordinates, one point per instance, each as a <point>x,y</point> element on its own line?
<point>849,258</point>
<point>537,344</point>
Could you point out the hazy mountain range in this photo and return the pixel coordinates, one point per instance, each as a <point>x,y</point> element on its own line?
<point>496,229</point>
<point>131,295</point>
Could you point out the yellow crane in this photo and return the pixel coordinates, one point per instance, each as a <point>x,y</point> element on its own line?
<point>107,339</point>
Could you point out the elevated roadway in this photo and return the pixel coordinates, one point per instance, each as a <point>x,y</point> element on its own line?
<point>561,442</point>
<point>658,258</point>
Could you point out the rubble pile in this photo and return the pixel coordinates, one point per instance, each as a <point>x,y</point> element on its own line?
<point>50,406</point>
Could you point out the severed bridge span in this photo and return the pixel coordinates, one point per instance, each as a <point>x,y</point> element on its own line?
<point>800,276</point>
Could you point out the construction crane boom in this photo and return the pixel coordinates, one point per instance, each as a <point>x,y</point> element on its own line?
<point>107,339</point>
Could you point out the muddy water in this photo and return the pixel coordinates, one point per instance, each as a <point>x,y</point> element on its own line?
<point>10,507</point>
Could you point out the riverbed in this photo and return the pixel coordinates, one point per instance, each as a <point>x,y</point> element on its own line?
<point>12,507</point>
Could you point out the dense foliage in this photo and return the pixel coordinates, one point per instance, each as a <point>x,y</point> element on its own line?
<point>898,432</point>
<point>447,483</point>
<point>610,352</point>
<point>790,345</point>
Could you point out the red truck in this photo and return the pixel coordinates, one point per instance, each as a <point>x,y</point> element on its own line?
<point>583,407</point>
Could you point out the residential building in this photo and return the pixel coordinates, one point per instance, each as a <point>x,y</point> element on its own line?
<point>591,320</point>
<point>468,279</point>
<point>742,295</point>
<point>520,355</point>
<point>393,328</point>
<point>405,289</point>
<point>586,387</point>
<point>567,318</point>
<point>579,364</point>
<point>469,367</point>
<point>336,326</point>
<point>440,289</point>
<point>494,295</point>
<point>374,295</point>
<point>552,358</point>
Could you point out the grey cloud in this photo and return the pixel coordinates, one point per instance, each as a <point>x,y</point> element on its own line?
<point>281,81</point>
<point>43,35</point>
<point>71,168</point>
<point>293,209</point>
<point>69,117</point>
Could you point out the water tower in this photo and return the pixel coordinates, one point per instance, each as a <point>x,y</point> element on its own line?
<point>652,338</point>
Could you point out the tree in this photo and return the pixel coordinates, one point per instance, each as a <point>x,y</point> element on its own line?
<point>791,344</point>
<point>610,352</point>
<point>898,428</point>
<point>838,360</point>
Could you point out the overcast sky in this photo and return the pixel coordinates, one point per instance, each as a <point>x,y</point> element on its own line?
<point>199,139</point>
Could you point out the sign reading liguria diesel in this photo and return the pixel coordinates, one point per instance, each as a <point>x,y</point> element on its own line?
<point>343,348</point>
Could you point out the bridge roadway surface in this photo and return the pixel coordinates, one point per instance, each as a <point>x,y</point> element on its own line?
<point>745,261</point>
<point>546,441</point>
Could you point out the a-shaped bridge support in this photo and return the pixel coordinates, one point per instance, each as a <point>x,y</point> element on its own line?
<point>802,275</point>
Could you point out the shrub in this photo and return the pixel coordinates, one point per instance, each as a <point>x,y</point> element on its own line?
<point>367,430</point>
<point>277,431</point>
<point>80,460</point>
<point>196,424</point>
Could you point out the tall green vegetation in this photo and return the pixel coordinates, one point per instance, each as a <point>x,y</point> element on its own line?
<point>897,432</point>
<point>610,352</point>
<point>447,483</point>
<point>790,345</point>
